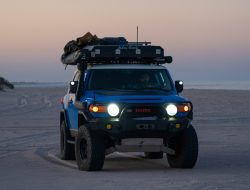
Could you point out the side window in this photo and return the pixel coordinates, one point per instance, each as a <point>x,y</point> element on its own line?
<point>77,76</point>
<point>85,75</point>
<point>164,80</point>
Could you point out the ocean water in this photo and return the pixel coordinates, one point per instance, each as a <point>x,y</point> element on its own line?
<point>39,84</point>
<point>228,85</point>
<point>225,85</point>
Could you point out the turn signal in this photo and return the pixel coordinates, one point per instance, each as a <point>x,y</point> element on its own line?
<point>184,107</point>
<point>97,108</point>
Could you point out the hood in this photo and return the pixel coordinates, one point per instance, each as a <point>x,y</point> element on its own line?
<point>132,97</point>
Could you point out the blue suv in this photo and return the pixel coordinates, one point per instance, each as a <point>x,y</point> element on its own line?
<point>118,106</point>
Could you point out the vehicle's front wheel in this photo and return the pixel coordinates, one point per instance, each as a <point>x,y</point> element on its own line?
<point>153,155</point>
<point>67,151</point>
<point>186,149</point>
<point>89,150</point>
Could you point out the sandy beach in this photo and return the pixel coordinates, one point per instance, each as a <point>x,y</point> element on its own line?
<point>29,125</point>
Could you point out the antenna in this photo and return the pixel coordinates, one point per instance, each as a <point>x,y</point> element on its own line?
<point>137,36</point>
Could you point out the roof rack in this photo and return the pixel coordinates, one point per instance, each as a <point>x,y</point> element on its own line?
<point>129,53</point>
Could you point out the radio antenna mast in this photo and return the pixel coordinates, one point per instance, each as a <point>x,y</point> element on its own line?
<point>137,36</point>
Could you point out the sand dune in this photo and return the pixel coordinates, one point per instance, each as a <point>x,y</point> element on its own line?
<point>29,119</point>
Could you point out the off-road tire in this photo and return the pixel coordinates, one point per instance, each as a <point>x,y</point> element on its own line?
<point>153,155</point>
<point>89,150</point>
<point>67,150</point>
<point>186,148</point>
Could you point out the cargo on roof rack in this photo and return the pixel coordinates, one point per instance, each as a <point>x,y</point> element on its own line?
<point>112,51</point>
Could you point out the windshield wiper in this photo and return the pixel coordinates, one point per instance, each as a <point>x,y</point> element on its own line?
<point>113,89</point>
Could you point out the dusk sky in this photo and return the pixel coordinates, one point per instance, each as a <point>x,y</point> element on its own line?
<point>209,40</point>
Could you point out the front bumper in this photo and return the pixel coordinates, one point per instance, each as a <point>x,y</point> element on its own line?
<point>131,128</point>
<point>132,124</point>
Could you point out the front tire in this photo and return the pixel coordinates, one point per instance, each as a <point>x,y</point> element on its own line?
<point>186,148</point>
<point>89,150</point>
<point>67,151</point>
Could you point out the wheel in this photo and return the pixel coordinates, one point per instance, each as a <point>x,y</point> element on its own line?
<point>186,149</point>
<point>153,155</point>
<point>67,151</point>
<point>89,150</point>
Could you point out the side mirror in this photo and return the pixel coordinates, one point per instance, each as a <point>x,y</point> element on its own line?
<point>179,86</point>
<point>73,86</point>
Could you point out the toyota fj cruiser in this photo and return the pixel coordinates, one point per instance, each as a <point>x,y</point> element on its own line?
<point>122,99</point>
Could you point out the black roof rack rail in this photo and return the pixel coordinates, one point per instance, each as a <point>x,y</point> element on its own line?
<point>139,43</point>
<point>129,53</point>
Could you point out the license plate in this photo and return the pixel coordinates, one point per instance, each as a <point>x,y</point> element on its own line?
<point>145,126</point>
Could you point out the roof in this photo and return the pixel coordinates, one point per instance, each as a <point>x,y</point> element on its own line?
<point>126,66</point>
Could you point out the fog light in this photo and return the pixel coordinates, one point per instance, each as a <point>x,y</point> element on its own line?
<point>177,125</point>
<point>108,126</point>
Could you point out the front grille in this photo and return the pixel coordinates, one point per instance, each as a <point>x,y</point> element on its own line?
<point>143,111</point>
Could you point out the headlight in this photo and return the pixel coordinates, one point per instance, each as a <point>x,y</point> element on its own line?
<point>171,109</point>
<point>113,110</point>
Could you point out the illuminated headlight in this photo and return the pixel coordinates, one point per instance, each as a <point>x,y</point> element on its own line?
<point>171,109</point>
<point>113,110</point>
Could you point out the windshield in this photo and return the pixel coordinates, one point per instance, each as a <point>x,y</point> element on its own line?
<point>129,79</point>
